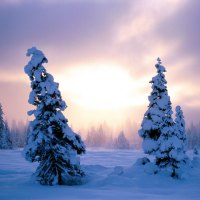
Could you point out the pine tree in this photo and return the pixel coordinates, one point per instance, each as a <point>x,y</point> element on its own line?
<point>5,141</point>
<point>172,151</point>
<point>121,142</point>
<point>96,137</point>
<point>158,110</point>
<point>180,128</point>
<point>91,137</point>
<point>2,128</point>
<point>51,142</point>
<point>9,144</point>
<point>101,137</point>
<point>178,144</point>
<point>193,136</point>
<point>15,134</point>
<point>159,132</point>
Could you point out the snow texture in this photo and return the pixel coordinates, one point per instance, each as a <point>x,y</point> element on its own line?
<point>111,175</point>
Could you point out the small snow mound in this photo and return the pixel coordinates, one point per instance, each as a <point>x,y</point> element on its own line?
<point>142,161</point>
<point>151,168</point>
<point>196,162</point>
<point>74,180</point>
<point>118,170</point>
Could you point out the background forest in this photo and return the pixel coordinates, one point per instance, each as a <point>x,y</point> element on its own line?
<point>101,136</point>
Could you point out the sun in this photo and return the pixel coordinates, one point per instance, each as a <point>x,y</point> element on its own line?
<point>100,86</point>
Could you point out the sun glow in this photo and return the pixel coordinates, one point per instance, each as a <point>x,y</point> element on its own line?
<point>101,86</point>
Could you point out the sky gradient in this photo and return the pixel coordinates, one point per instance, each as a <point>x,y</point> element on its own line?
<point>103,55</point>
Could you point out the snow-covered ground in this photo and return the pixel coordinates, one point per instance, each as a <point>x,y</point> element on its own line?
<point>112,174</point>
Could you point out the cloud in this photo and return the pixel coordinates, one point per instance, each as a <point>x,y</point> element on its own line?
<point>72,30</point>
<point>131,33</point>
<point>183,28</point>
<point>10,2</point>
<point>81,31</point>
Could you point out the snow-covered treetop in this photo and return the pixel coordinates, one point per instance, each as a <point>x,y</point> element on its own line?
<point>159,60</point>
<point>1,110</point>
<point>45,90</point>
<point>37,59</point>
<point>159,67</point>
<point>179,118</point>
<point>178,110</point>
<point>38,55</point>
<point>1,118</point>
<point>159,110</point>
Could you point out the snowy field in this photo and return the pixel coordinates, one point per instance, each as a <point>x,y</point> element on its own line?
<point>111,175</point>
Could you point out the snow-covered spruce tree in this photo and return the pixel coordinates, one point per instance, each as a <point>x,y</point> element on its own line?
<point>154,117</point>
<point>121,142</point>
<point>5,142</point>
<point>180,128</point>
<point>51,142</point>
<point>2,127</point>
<point>172,142</point>
<point>176,144</point>
<point>8,136</point>
<point>159,132</point>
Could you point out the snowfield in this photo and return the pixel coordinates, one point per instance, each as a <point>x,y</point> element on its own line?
<point>111,174</point>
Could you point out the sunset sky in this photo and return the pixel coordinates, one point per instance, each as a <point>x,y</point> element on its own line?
<point>102,53</point>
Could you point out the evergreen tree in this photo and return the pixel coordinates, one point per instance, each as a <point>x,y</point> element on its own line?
<point>8,136</point>
<point>22,127</point>
<point>15,134</point>
<point>5,142</point>
<point>121,142</point>
<point>159,132</point>
<point>101,136</point>
<point>91,139</point>
<point>180,127</point>
<point>171,152</point>
<point>2,125</point>
<point>193,136</point>
<point>155,116</point>
<point>96,137</point>
<point>51,142</point>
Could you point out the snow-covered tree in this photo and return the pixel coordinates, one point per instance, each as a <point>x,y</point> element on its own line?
<point>8,136</point>
<point>96,137</point>
<point>172,142</point>
<point>159,132</point>
<point>158,110</point>
<point>2,127</point>
<point>121,142</point>
<point>22,129</point>
<point>15,134</point>
<point>51,142</point>
<point>180,127</point>
<point>193,135</point>
<point>5,141</point>
<point>90,138</point>
<point>18,133</point>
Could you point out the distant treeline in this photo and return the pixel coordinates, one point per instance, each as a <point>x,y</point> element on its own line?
<point>15,135</point>
<point>101,136</point>
<point>129,138</point>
